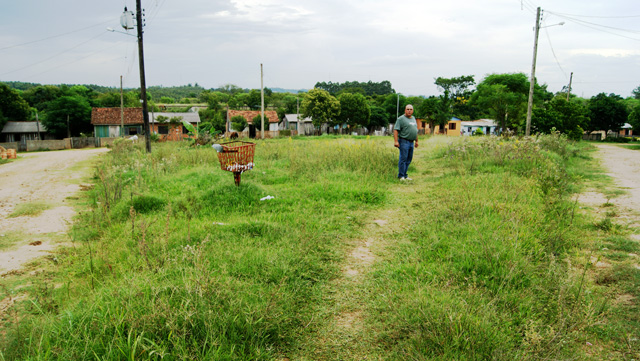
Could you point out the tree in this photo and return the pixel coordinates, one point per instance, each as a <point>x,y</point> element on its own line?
<point>636,92</point>
<point>634,118</point>
<point>378,118</point>
<point>238,123</point>
<point>566,117</point>
<point>501,104</point>
<point>68,114</point>
<point>607,112</point>
<point>39,96</point>
<point>12,106</point>
<point>436,111</point>
<point>457,93</point>
<point>257,121</point>
<point>354,110</point>
<point>320,106</point>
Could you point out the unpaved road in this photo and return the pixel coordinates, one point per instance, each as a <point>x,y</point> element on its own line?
<point>45,177</point>
<point>623,165</point>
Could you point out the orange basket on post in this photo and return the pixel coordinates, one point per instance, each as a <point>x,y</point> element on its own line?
<point>236,157</point>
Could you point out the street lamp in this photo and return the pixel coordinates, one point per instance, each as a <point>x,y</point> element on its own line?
<point>533,71</point>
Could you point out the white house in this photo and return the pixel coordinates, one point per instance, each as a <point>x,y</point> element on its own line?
<point>487,126</point>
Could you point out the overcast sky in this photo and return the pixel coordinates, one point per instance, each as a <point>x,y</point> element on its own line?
<point>301,42</point>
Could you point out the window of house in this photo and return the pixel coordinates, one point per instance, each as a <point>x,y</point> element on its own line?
<point>452,126</point>
<point>132,131</point>
<point>163,129</point>
<point>184,130</point>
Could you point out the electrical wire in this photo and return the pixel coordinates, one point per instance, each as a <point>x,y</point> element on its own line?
<point>554,53</point>
<point>55,55</point>
<point>55,36</point>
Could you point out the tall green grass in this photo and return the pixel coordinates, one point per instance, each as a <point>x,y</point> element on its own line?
<point>177,262</point>
<point>173,261</point>
<point>483,270</point>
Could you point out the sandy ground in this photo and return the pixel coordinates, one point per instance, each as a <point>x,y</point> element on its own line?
<point>47,177</point>
<point>623,165</point>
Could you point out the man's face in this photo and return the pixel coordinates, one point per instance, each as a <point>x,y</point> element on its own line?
<point>408,111</point>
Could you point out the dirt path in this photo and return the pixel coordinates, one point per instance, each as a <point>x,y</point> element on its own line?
<point>44,177</point>
<point>623,165</point>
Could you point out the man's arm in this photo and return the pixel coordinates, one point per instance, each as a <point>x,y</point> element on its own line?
<point>395,139</point>
<point>416,144</point>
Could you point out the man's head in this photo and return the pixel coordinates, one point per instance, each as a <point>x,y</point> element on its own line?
<point>408,110</point>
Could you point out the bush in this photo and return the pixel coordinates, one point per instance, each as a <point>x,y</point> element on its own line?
<point>478,132</point>
<point>238,123</point>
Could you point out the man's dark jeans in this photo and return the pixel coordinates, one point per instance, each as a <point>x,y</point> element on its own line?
<point>406,156</point>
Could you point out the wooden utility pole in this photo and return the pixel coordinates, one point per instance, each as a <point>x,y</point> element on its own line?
<point>570,81</point>
<point>121,109</point>
<point>143,86</point>
<point>533,74</point>
<point>261,103</point>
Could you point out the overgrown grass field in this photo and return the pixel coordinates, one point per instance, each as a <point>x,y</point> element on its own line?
<point>486,257</point>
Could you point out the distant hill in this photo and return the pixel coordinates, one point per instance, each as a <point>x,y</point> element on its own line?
<point>294,91</point>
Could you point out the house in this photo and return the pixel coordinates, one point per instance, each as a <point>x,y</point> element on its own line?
<point>626,130</point>
<point>115,122</point>
<point>270,117</point>
<point>169,125</point>
<point>487,126</point>
<point>303,126</point>
<point>453,127</point>
<point>22,131</point>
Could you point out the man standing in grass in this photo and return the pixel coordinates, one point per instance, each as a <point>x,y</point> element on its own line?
<point>405,133</point>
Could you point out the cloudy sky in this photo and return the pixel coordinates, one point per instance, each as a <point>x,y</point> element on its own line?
<point>301,42</point>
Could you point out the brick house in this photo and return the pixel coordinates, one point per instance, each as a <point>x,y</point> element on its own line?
<point>270,118</point>
<point>111,123</point>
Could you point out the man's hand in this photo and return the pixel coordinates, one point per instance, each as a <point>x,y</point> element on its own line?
<point>416,144</point>
<point>396,144</point>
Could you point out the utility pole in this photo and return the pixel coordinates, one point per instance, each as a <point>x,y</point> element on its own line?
<point>261,103</point>
<point>570,81</point>
<point>143,86</point>
<point>533,74</point>
<point>121,109</point>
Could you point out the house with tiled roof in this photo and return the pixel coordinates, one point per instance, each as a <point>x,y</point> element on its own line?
<point>270,117</point>
<point>111,123</point>
<point>116,122</point>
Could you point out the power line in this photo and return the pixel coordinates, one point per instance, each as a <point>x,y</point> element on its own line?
<point>54,36</point>
<point>55,55</point>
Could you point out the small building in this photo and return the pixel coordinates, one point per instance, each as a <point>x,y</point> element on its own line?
<point>20,132</point>
<point>270,117</point>
<point>169,125</point>
<point>626,130</point>
<point>115,122</point>
<point>291,121</point>
<point>487,126</point>
<point>453,127</point>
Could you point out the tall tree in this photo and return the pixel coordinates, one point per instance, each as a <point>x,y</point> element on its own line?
<point>12,106</point>
<point>354,110</point>
<point>501,104</point>
<point>68,114</point>
<point>634,118</point>
<point>320,106</point>
<point>607,112</point>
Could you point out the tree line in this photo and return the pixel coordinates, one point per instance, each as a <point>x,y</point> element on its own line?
<point>501,97</point>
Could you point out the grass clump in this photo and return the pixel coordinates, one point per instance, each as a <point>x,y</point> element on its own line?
<point>31,209</point>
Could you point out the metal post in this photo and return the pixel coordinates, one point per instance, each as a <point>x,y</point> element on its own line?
<point>121,109</point>
<point>533,74</point>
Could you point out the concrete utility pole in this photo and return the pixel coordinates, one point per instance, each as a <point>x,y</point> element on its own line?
<point>261,103</point>
<point>121,109</point>
<point>533,74</point>
<point>570,81</point>
<point>143,86</point>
